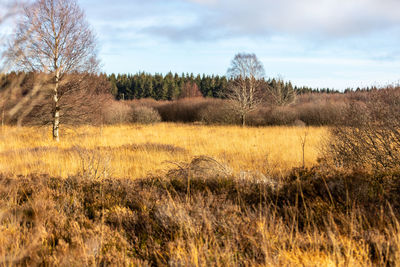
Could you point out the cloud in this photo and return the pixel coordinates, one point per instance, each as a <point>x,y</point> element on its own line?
<point>195,32</point>
<point>205,20</point>
<point>325,18</point>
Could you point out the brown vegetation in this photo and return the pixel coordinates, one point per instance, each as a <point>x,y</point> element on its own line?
<point>318,110</point>
<point>201,214</point>
<point>368,135</point>
<point>145,115</point>
<point>93,104</point>
<point>25,99</point>
<point>198,212</point>
<point>190,90</point>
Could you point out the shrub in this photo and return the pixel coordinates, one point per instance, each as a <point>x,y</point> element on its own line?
<point>182,110</point>
<point>368,134</point>
<point>117,112</point>
<point>278,115</point>
<point>145,115</point>
<point>147,102</point>
<point>320,113</point>
<point>219,112</point>
<point>310,109</point>
<point>195,109</point>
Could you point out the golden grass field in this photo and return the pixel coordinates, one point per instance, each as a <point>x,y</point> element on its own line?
<point>180,220</point>
<point>135,151</point>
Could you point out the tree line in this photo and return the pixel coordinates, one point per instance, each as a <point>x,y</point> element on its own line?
<point>174,86</point>
<point>171,86</point>
<point>165,87</point>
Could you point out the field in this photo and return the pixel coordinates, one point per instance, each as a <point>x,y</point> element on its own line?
<point>189,195</point>
<point>196,169</point>
<point>135,151</point>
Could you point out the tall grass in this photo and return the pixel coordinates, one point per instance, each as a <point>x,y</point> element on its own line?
<point>134,151</point>
<point>188,195</point>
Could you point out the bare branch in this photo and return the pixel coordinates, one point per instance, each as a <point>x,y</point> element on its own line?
<point>246,84</point>
<point>54,38</point>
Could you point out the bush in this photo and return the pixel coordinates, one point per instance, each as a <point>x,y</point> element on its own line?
<point>368,134</point>
<point>147,102</point>
<point>310,109</point>
<point>219,112</point>
<point>145,115</point>
<point>320,113</point>
<point>117,112</point>
<point>273,116</point>
<point>182,110</point>
<point>196,109</point>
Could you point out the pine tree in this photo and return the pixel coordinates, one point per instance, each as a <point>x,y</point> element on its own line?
<point>113,85</point>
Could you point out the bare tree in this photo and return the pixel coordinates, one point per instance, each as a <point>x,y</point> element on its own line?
<point>54,38</point>
<point>245,88</point>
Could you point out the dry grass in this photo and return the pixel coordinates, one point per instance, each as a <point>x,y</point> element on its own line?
<point>134,151</point>
<point>207,220</point>
<point>200,211</point>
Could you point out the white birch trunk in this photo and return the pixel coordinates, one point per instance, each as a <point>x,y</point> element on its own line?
<point>56,115</point>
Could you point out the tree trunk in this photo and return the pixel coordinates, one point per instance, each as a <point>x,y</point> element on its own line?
<point>243,119</point>
<point>56,115</point>
<point>56,123</point>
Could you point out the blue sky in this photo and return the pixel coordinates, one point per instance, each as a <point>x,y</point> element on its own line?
<point>318,43</point>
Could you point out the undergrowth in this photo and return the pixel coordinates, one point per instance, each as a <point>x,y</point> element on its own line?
<point>200,214</point>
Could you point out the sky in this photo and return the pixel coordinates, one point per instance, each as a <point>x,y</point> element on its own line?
<point>318,43</point>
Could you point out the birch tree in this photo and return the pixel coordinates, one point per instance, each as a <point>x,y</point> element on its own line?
<point>54,38</point>
<point>247,80</point>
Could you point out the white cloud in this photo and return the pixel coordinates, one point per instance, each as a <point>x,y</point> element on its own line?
<point>325,17</point>
<point>218,19</point>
